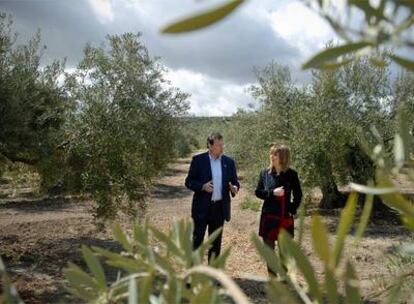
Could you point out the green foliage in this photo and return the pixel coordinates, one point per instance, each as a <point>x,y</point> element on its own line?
<point>343,104</point>
<point>193,132</point>
<point>9,294</point>
<point>322,124</point>
<point>160,273</point>
<point>295,259</point>
<point>323,128</point>
<point>33,106</point>
<point>328,94</point>
<point>248,136</point>
<point>17,175</point>
<point>198,128</point>
<point>385,22</point>
<point>251,203</point>
<point>323,59</point>
<point>241,135</point>
<point>168,272</point>
<point>107,129</point>
<point>403,105</point>
<point>124,130</point>
<point>204,19</point>
<point>185,143</point>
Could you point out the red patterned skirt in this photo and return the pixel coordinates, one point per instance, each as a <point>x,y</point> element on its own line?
<point>271,224</point>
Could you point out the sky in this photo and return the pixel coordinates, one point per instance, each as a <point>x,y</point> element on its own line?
<point>215,65</point>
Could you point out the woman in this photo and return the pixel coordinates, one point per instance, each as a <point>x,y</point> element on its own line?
<point>276,185</point>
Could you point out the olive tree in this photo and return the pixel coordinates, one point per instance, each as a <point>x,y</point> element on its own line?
<point>124,129</point>
<point>33,106</point>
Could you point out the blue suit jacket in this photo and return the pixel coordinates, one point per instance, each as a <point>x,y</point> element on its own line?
<point>199,174</point>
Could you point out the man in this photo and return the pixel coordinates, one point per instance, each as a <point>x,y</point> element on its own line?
<point>212,177</point>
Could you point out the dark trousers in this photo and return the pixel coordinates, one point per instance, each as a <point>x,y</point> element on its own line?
<point>213,221</point>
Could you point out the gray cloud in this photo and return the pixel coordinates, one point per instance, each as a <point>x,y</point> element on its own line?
<point>223,55</point>
<point>227,50</point>
<point>66,26</point>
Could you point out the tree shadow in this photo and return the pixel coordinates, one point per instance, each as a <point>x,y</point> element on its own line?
<point>165,191</point>
<point>379,226</point>
<point>254,289</point>
<point>183,161</point>
<point>47,259</point>
<point>174,172</point>
<point>44,204</point>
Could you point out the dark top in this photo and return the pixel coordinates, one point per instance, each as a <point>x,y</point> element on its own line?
<point>268,181</point>
<point>199,174</point>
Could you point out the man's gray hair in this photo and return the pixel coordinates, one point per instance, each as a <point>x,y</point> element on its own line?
<point>212,137</point>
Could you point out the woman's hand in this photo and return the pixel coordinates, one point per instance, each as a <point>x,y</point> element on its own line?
<point>279,191</point>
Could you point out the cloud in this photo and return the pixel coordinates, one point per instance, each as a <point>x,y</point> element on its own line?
<point>296,22</point>
<point>103,9</point>
<point>66,26</point>
<point>215,64</point>
<point>228,49</point>
<point>210,96</point>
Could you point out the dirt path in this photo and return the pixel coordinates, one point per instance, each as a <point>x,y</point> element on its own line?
<point>38,238</point>
<point>171,200</point>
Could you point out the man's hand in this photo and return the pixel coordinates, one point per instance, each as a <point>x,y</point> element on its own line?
<point>279,191</point>
<point>233,188</point>
<point>208,187</point>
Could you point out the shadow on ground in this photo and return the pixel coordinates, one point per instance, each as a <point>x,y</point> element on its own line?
<point>165,191</point>
<point>37,272</point>
<point>40,204</point>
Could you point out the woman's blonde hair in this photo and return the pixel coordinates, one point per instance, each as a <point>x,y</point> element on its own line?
<point>284,156</point>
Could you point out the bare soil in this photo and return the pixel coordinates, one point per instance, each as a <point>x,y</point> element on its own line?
<point>39,236</point>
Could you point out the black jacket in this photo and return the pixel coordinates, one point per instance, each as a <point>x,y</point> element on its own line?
<point>268,181</point>
<point>199,174</point>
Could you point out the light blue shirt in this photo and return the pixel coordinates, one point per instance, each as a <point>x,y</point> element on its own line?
<point>217,178</point>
